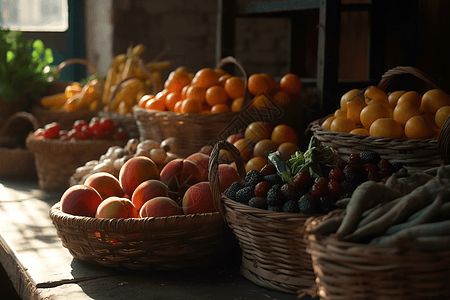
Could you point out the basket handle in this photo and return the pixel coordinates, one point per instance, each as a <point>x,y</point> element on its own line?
<point>390,74</point>
<point>231,60</point>
<point>73,61</point>
<point>19,115</point>
<point>213,171</point>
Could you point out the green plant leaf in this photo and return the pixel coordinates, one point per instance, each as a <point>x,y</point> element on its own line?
<point>38,46</point>
<point>10,56</point>
<point>48,56</point>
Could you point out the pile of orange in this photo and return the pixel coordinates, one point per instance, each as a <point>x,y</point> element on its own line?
<point>216,91</point>
<point>397,115</point>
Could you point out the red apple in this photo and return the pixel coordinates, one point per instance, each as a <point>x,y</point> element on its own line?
<point>206,149</point>
<point>80,200</point>
<point>198,199</point>
<point>106,184</point>
<point>202,161</point>
<point>135,171</point>
<point>116,207</point>
<point>147,190</point>
<point>160,207</point>
<point>234,137</point>
<point>227,175</point>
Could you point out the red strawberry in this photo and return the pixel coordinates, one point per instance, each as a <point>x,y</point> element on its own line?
<point>261,189</point>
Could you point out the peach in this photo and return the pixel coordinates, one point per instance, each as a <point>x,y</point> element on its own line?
<point>179,174</point>
<point>198,199</point>
<point>116,207</point>
<point>80,200</point>
<point>234,137</point>
<point>202,161</point>
<point>227,175</point>
<point>135,171</point>
<point>245,147</point>
<point>160,207</point>
<point>148,190</point>
<point>106,184</point>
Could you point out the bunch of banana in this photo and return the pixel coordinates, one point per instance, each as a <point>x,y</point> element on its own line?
<point>129,78</point>
<point>75,97</point>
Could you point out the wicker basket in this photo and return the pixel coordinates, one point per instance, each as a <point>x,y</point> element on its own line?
<point>64,118</point>
<point>273,251</point>
<point>16,162</point>
<point>163,243</point>
<point>57,160</point>
<point>356,271</point>
<point>414,154</point>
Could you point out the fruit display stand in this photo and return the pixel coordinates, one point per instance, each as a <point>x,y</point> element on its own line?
<point>414,154</point>
<point>65,118</point>
<point>272,245</point>
<point>15,161</point>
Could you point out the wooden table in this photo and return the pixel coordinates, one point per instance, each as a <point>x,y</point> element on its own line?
<point>41,268</point>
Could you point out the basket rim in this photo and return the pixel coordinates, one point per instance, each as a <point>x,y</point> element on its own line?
<point>33,141</point>
<point>122,225</point>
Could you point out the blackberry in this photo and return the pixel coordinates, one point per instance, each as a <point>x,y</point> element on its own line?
<point>306,204</point>
<point>275,208</point>
<point>273,179</point>
<point>327,204</point>
<point>234,187</point>
<point>253,177</point>
<point>369,157</point>
<point>291,206</point>
<point>258,202</point>
<point>274,196</point>
<point>245,194</point>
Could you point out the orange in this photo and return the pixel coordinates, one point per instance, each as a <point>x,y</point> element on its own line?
<point>372,112</point>
<point>235,87</point>
<point>184,91</point>
<point>197,93</point>
<point>340,113</point>
<point>255,163</point>
<point>387,128</point>
<point>237,104</point>
<point>291,84</point>
<point>283,133</point>
<point>287,149</point>
<point>220,108</point>
<point>261,101</point>
<point>190,106</point>
<point>257,131</point>
<point>144,99</point>
<point>362,131</point>
<point>393,98</point>
<point>223,79</point>
<point>327,123</point>
<point>373,93</point>
<point>348,96</point>
<point>264,145</point>
<point>205,77</point>
<point>162,95</point>
<point>404,111</point>
<point>354,107</point>
<point>156,104</point>
<point>220,72</point>
<point>342,124</point>
<point>216,95</point>
<point>282,97</point>
<point>258,84</point>
<point>411,97</point>
<point>273,84</point>
<point>172,99</point>
<point>417,128</point>
<point>177,106</point>
<point>442,115</point>
<point>434,99</point>
<point>177,82</point>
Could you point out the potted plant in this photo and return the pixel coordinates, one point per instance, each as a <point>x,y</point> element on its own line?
<point>25,72</point>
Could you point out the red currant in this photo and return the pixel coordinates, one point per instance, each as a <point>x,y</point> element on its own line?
<point>337,175</point>
<point>334,188</point>
<point>78,124</point>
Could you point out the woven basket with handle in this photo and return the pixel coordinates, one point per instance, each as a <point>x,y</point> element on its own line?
<point>414,154</point>
<point>357,271</point>
<point>65,118</point>
<point>15,160</point>
<point>273,250</point>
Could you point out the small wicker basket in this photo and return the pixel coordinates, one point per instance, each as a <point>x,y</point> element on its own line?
<point>64,118</point>
<point>16,162</point>
<point>414,154</point>
<point>163,243</point>
<point>356,271</point>
<point>57,160</point>
<point>273,251</point>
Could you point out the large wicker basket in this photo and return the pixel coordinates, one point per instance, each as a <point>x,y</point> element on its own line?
<point>64,118</point>
<point>163,243</point>
<point>356,271</point>
<point>57,160</point>
<point>273,252</point>
<point>16,161</point>
<point>414,154</point>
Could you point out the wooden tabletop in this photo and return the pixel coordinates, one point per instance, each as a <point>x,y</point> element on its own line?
<point>41,268</point>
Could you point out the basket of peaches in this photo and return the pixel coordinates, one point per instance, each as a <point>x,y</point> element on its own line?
<point>403,126</point>
<point>191,102</point>
<point>147,217</point>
